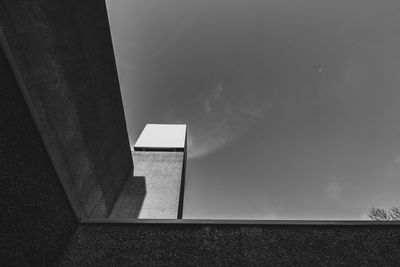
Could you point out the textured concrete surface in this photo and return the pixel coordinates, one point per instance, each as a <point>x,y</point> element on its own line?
<point>130,200</point>
<point>322,245</point>
<point>155,188</point>
<point>64,52</point>
<point>233,245</point>
<point>36,219</point>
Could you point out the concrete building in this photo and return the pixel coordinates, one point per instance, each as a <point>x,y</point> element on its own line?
<point>156,189</point>
<point>65,157</point>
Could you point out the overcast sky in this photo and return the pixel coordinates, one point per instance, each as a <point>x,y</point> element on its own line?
<point>292,107</point>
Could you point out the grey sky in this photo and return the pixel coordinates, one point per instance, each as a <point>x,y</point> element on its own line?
<point>293,107</point>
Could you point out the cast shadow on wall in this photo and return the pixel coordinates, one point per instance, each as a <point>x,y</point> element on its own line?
<point>130,200</point>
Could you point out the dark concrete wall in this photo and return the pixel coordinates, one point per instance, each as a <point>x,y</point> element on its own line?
<point>64,53</point>
<point>36,219</point>
<point>233,245</point>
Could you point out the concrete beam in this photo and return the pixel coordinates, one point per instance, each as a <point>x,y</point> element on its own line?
<point>62,56</point>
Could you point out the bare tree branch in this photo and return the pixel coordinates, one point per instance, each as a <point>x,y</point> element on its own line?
<point>384,215</point>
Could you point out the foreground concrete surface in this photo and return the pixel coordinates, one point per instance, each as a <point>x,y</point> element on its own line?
<point>64,55</point>
<point>233,245</point>
<point>36,218</point>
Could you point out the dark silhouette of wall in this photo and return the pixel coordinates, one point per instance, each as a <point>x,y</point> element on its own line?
<point>64,53</point>
<point>233,245</point>
<point>36,219</point>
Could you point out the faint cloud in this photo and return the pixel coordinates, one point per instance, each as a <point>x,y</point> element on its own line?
<point>217,91</point>
<point>214,126</point>
<point>254,106</point>
<point>254,112</point>
<point>333,189</point>
<point>397,159</point>
<point>207,106</point>
<point>199,149</point>
<point>213,98</point>
<point>206,134</point>
<point>203,141</point>
<point>221,117</point>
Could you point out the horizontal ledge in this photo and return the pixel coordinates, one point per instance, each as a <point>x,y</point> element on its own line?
<point>240,222</point>
<point>160,149</point>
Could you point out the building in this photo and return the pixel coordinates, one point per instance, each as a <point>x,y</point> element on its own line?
<point>65,157</point>
<point>156,190</point>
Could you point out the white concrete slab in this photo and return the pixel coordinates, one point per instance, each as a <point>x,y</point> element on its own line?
<point>163,136</point>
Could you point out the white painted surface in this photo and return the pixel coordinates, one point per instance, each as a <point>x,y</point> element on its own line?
<point>162,136</point>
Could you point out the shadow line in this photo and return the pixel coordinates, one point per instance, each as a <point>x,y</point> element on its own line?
<point>130,201</point>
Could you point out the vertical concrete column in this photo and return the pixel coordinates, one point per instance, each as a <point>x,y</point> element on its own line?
<point>160,159</point>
